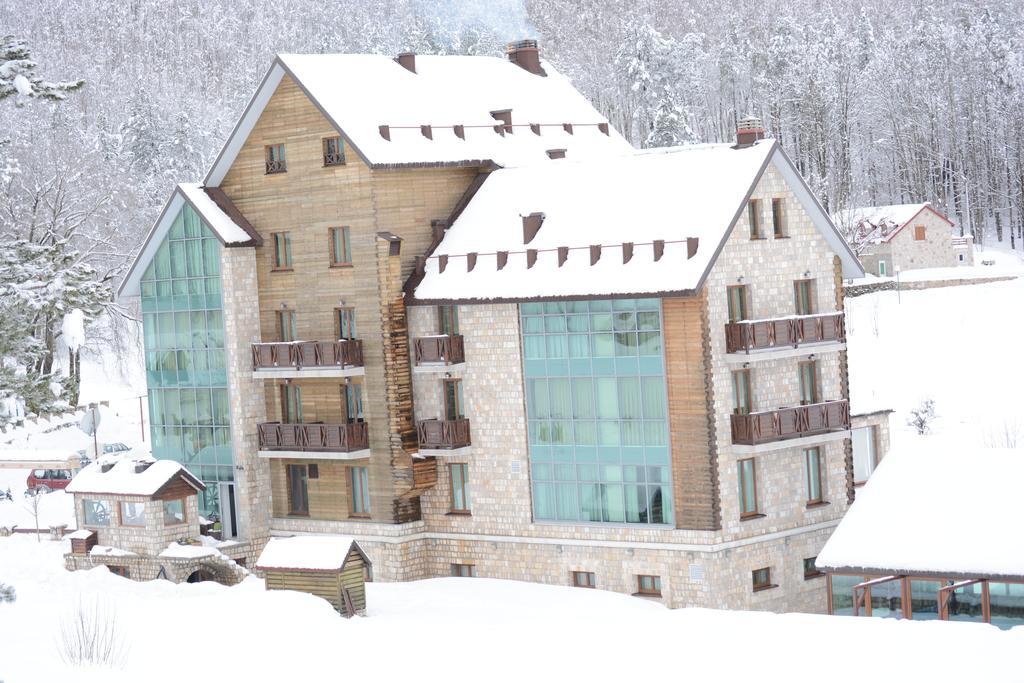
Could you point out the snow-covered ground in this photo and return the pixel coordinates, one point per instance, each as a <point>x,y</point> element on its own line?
<point>443,628</point>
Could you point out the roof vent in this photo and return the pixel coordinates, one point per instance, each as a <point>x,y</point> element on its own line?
<point>556,154</point>
<point>106,466</point>
<point>526,54</point>
<point>531,226</point>
<point>142,465</point>
<point>748,131</point>
<point>407,60</point>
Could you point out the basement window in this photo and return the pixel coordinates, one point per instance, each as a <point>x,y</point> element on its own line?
<point>463,570</point>
<point>762,579</point>
<point>584,579</point>
<point>648,585</point>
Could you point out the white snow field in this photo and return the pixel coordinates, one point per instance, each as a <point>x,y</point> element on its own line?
<point>430,630</point>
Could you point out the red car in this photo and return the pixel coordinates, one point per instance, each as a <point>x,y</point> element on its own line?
<point>42,481</point>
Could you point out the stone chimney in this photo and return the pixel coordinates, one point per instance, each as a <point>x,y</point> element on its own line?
<point>407,60</point>
<point>526,54</point>
<point>748,131</point>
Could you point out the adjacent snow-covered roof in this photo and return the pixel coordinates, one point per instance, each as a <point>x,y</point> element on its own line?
<point>216,210</point>
<point>311,553</point>
<point>360,93</point>
<point>40,455</point>
<point>945,511</point>
<point>123,479</point>
<point>674,194</point>
<point>882,223</point>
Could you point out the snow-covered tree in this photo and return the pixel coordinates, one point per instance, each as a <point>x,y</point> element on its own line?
<point>18,77</point>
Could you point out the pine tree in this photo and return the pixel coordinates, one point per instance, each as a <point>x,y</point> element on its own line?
<point>17,75</point>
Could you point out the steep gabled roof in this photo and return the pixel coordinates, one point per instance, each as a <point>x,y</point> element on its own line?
<point>672,195</point>
<point>358,94</point>
<point>880,224</point>
<point>940,510</point>
<point>217,211</point>
<point>123,479</point>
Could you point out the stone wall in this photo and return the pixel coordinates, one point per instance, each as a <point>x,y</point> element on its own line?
<point>150,539</point>
<point>935,251</point>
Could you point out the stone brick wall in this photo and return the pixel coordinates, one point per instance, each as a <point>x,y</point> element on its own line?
<point>150,539</point>
<point>935,251</point>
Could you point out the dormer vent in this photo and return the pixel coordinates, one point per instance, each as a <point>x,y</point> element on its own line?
<point>142,465</point>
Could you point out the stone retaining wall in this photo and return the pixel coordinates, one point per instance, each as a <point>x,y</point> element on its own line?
<point>890,285</point>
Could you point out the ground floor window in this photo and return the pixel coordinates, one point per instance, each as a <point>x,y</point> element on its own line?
<point>648,585</point>
<point>96,512</point>
<point>133,514</point>
<point>464,570</point>
<point>359,491</point>
<point>762,578</point>
<point>458,475</point>
<point>174,512</point>
<point>810,569</point>
<point>120,571</point>
<point>882,269</point>
<point>581,579</point>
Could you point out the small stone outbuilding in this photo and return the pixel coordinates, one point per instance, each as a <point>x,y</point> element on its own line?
<point>902,237</point>
<point>140,519</point>
<point>334,568</point>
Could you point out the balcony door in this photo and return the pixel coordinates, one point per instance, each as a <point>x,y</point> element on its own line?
<point>286,331</point>
<point>742,394</point>
<point>346,323</point>
<point>298,491</point>
<point>291,404</point>
<point>737,303</point>
<point>453,406</point>
<point>352,398</point>
<point>448,319</point>
<point>809,383</point>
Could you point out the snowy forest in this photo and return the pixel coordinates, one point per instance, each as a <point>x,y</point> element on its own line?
<point>877,102</point>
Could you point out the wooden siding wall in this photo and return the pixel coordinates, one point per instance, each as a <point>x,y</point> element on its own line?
<point>326,585</point>
<point>353,578</point>
<point>844,380</point>
<point>306,201</point>
<point>694,466</point>
<point>321,399</point>
<point>328,494</point>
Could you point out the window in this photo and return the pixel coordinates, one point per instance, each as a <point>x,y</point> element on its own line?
<point>298,491</point>
<point>864,459</point>
<point>803,291</point>
<point>737,302</point>
<point>584,580</point>
<point>286,330</point>
<point>334,152</point>
<point>174,512</point>
<point>762,578</point>
<point>352,394</point>
<point>313,471</point>
<point>778,224</point>
<point>282,250</point>
<point>810,570</point>
<point>960,258</point>
<point>812,469</point>
<point>754,218</point>
<point>291,404</point>
<point>808,382</point>
<point>882,270</point>
<point>453,406</point>
<point>133,514</point>
<point>120,571</point>
<point>458,476</point>
<point>341,247</point>
<point>346,319</point>
<point>748,488</point>
<point>448,319</point>
<point>275,158</point>
<point>919,233</point>
<point>648,585</point>
<point>359,491</point>
<point>741,392</point>
<point>96,512</point>
<point>464,570</point>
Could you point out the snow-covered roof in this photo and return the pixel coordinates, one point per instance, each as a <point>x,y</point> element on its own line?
<point>881,223</point>
<point>41,455</point>
<point>216,211</point>
<point>123,479</point>
<point>312,553</point>
<point>360,93</point>
<point>671,195</point>
<point>935,510</point>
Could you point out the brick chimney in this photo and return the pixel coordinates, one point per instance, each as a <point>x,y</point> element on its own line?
<point>526,54</point>
<point>748,131</point>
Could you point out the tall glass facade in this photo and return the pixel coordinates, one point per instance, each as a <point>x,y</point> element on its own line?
<point>183,327</point>
<point>596,407</point>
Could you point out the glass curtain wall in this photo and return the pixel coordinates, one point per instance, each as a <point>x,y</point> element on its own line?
<point>596,408</point>
<point>183,328</point>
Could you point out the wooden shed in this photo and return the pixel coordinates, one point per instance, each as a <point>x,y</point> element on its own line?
<point>331,567</point>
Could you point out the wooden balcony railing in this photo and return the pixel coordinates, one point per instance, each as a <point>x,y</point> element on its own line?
<point>753,335</point>
<point>308,354</point>
<point>790,423</point>
<point>333,158</point>
<point>325,438</point>
<point>446,349</point>
<point>443,434</point>
<point>277,166</point>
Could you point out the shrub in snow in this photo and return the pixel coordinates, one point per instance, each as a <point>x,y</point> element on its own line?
<point>89,636</point>
<point>921,417</point>
<point>6,593</point>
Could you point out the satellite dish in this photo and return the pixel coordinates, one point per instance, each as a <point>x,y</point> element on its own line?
<point>90,421</point>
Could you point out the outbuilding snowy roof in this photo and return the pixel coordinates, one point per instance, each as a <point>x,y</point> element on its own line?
<point>123,478</point>
<point>882,223</point>
<point>935,510</point>
<point>675,195</point>
<point>311,553</point>
<point>216,210</point>
<point>360,93</point>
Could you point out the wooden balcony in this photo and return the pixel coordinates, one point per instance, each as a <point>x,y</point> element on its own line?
<point>785,424</point>
<point>333,158</point>
<point>342,358</point>
<point>439,350</point>
<point>335,441</point>
<point>792,333</point>
<point>276,166</point>
<point>443,435</point>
